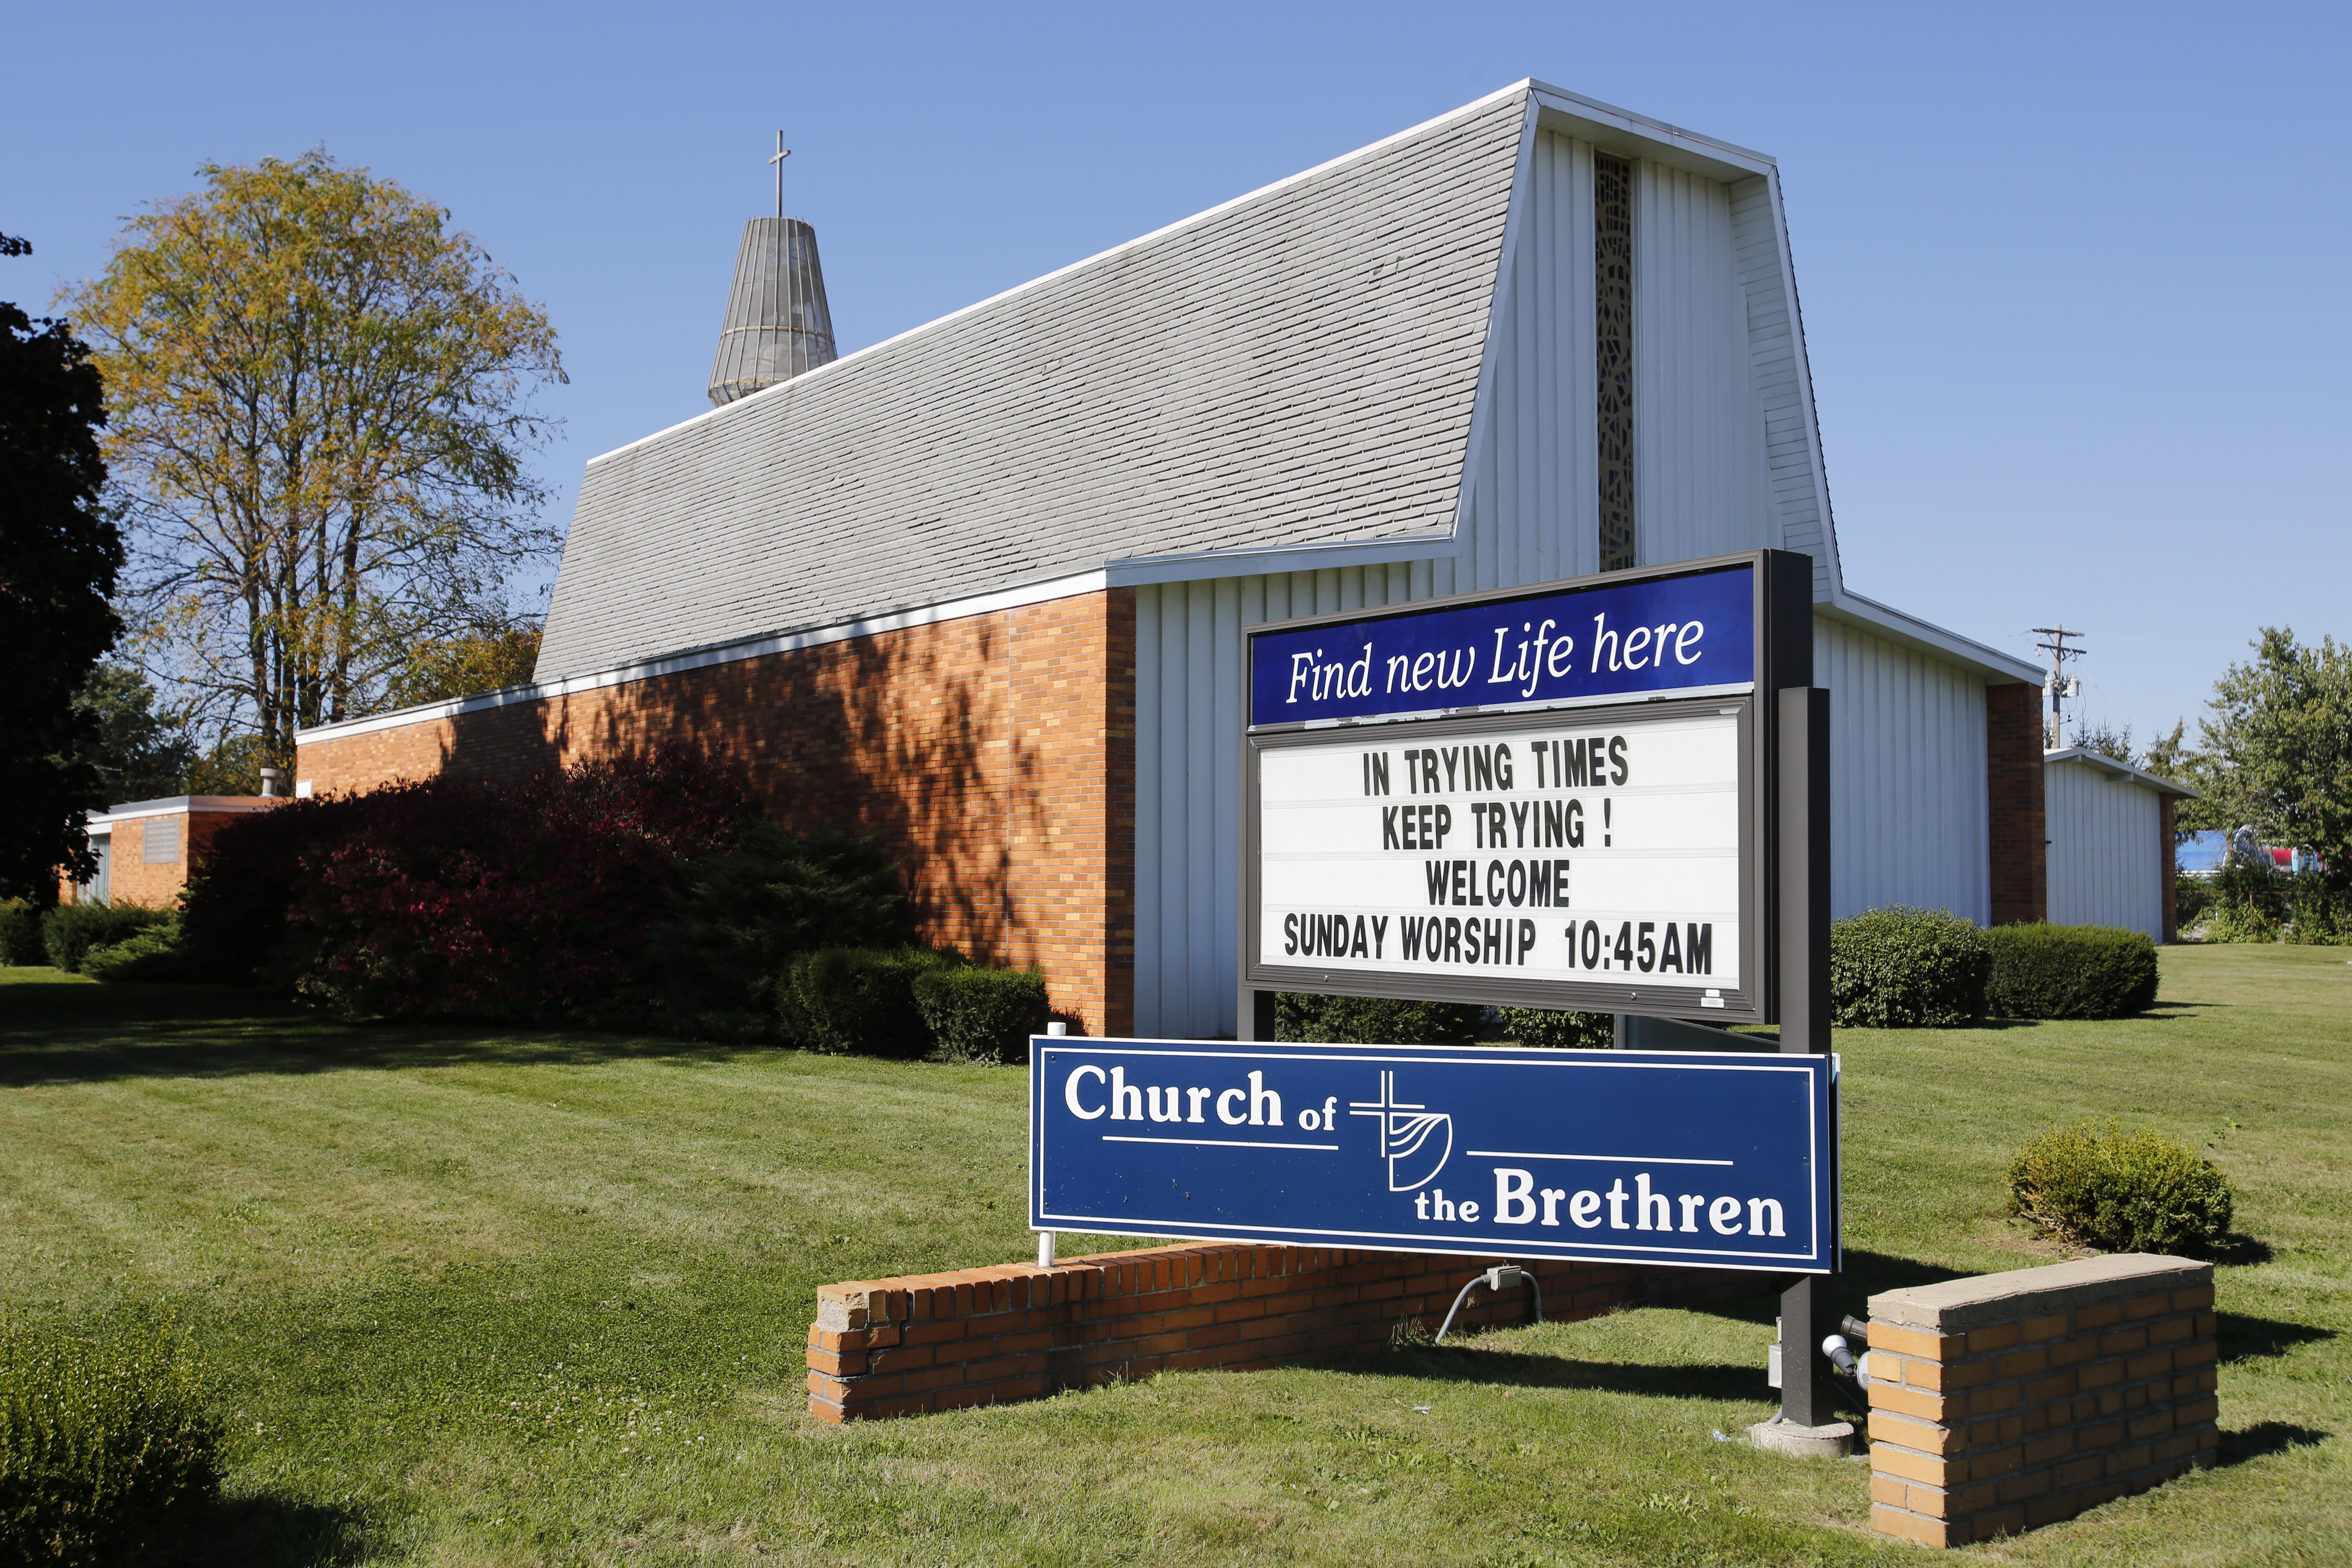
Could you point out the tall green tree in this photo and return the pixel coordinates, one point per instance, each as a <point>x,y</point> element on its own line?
<point>2278,748</point>
<point>59,554</point>
<point>140,751</point>
<point>322,405</point>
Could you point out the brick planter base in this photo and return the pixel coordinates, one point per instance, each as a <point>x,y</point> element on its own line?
<point>981,1336</point>
<point>2008,1401</point>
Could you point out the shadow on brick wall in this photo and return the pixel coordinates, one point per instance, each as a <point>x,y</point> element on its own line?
<point>903,738</point>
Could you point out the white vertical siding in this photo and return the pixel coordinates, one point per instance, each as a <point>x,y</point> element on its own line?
<point>2106,865</point>
<point>1699,479</point>
<point>1188,761</point>
<point>1908,786</point>
<point>1799,494</point>
<point>1532,514</point>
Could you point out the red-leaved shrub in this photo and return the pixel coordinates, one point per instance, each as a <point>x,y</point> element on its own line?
<point>464,898</point>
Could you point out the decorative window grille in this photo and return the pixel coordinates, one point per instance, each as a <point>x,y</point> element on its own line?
<point>1612,337</point>
<point>161,844</point>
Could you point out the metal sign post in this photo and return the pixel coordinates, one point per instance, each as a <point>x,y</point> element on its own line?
<point>1807,1316</point>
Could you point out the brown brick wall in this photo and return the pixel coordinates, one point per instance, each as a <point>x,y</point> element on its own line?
<point>2045,1400</point>
<point>2020,838</point>
<point>988,1336</point>
<point>993,755</point>
<point>130,880</point>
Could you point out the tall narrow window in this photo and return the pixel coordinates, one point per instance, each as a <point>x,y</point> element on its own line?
<point>1612,352</point>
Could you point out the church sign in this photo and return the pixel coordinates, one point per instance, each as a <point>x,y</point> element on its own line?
<point>1551,797</point>
<point>1641,1157</point>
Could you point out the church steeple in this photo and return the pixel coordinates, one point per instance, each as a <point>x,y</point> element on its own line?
<point>777,325</point>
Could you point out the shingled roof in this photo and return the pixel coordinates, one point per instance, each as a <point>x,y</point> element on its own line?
<point>1295,367</point>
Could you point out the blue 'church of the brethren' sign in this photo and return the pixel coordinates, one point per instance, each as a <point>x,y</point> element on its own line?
<point>1672,636</point>
<point>1696,1159</point>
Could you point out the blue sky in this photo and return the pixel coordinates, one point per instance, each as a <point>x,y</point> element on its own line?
<point>2074,277</point>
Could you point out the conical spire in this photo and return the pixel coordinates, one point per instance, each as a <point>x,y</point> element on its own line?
<point>777,324</point>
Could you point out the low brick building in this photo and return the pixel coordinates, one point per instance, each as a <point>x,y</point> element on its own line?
<point>147,849</point>
<point>978,590</point>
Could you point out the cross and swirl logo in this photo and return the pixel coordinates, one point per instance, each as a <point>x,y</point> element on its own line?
<point>1412,1138</point>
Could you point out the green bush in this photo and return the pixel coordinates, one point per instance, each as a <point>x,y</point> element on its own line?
<point>2070,971</point>
<point>20,934</point>
<point>104,1442</point>
<point>1310,1017</point>
<point>151,956</point>
<point>1902,968</point>
<point>2121,1192</point>
<point>70,931</point>
<point>2250,903</point>
<point>1556,1030</point>
<point>859,1001</point>
<point>744,913</point>
<point>982,1015</point>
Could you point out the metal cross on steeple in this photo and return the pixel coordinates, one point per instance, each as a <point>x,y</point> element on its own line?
<point>782,152</point>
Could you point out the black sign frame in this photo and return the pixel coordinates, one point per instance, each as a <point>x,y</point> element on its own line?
<point>1782,657</point>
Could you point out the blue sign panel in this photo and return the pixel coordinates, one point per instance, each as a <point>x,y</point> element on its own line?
<point>1664,635</point>
<point>1701,1160</point>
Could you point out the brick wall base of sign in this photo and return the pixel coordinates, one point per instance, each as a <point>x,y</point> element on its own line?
<point>992,755</point>
<point>2019,832</point>
<point>2009,1401</point>
<point>924,1343</point>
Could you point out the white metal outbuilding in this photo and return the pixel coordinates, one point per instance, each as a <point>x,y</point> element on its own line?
<point>2110,834</point>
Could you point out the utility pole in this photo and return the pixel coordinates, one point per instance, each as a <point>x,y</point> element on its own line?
<point>2058,683</point>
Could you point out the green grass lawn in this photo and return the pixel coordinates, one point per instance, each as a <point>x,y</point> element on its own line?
<point>538,1299</point>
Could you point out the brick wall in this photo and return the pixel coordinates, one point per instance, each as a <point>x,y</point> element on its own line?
<point>986,1336</point>
<point>993,755</point>
<point>2019,836</point>
<point>2008,1401</point>
<point>130,880</point>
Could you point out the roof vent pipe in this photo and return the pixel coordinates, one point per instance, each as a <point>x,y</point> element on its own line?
<point>777,325</point>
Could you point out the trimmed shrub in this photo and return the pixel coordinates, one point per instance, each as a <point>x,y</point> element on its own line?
<point>20,934</point>
<point>70,931</point>
<point>2070,971</point>
<point>1558,1030</point>
<point>464,898</point>
<point>104,1442</point>
<point>149,957</point>
<point>1902,968</point>
<point>2121,1192</point>
<point>745,911</point>
<point>981,1015</point>
<point>859,1001</point>
<point>1310,1017</point>
<point>240,900</point>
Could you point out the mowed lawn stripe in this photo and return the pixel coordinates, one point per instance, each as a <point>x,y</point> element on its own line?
<point>482,1297</point>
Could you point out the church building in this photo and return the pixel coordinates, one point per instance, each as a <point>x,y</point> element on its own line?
<point>978,590</point>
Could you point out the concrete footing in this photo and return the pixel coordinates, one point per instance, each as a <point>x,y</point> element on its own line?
<point>1835,1441</point>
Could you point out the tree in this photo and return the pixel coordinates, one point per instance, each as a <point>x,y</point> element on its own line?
<point>2105,740</point>
<point>59,555</point>
<point>322,404</point>
<point>482,659</point>
<point>2278,747</point>
<point>140,753</point>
